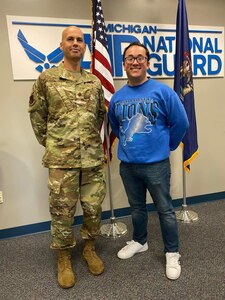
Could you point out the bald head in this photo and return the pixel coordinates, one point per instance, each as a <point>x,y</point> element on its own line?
<point>72,30</point>
<point>73,47</point>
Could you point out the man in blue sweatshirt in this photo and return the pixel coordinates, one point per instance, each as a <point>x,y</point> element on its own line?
<point>150,121</point>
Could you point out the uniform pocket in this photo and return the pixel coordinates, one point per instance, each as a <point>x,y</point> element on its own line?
<point>61,96</point>
<point>55,180</point>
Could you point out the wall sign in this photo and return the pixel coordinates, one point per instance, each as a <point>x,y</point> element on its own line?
<point>34,46</point>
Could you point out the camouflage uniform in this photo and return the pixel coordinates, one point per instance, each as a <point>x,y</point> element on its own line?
<point>66,113</point>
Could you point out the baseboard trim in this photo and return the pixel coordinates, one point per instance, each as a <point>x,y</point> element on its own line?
<point>118,213</point>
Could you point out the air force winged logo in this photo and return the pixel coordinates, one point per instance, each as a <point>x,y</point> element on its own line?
<point>43,61</point>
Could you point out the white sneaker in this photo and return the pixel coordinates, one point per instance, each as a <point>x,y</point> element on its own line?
<point>173,268</point>
<point>132,248</point>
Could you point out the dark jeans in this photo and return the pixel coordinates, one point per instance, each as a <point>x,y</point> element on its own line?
<point>137,179</point>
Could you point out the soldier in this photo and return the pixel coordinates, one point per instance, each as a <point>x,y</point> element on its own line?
<point>150,121</point>
<point>66,110</point>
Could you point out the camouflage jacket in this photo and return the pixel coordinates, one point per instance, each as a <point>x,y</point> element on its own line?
<point>66,115</point>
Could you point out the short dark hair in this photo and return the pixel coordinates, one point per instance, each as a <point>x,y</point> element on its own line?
<point>136,44</point>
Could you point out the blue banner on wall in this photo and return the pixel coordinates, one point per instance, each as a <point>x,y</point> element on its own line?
<point>34,46</point>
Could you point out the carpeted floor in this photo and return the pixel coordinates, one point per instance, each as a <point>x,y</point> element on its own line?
<point>28,266</point>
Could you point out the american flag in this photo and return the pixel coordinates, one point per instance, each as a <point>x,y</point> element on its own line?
<point>183,84</point>
<point>101,65</point>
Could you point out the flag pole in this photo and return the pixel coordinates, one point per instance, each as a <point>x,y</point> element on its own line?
<point>103,71</point>
<point>113,229</point>
<point>184,214</point>
<point>183,86</point>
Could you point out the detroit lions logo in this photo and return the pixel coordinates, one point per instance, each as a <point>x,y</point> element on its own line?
<point>44,62</point>
<point>138,124</point>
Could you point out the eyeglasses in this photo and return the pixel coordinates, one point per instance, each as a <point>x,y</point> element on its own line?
<point>130,59</point>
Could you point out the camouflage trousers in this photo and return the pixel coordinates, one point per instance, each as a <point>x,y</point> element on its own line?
<point>67,186</point>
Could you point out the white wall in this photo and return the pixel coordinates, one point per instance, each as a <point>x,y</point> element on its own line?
<point>22,178</point>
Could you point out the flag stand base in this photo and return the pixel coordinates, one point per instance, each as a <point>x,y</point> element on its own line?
<point>114,229</point>
<point>186,216</point>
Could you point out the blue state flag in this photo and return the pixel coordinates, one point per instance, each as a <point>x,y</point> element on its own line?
<point>183,84</point>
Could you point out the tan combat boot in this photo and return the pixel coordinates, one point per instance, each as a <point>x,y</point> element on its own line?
<point>65,272</point>
<point>95,264</point>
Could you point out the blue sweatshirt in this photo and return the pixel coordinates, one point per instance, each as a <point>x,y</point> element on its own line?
<point>149,121</point>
